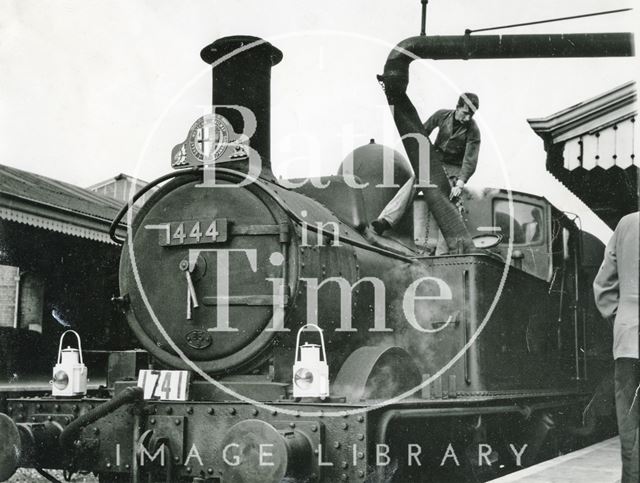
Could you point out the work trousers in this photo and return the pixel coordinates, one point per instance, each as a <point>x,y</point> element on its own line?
<point>398,205</point>
<point>627,380</point>
<point>394,210</point>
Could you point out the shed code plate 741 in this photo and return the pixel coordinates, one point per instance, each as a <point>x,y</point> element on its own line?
<point>164,385</point>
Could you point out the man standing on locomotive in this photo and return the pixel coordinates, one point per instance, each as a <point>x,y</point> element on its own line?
<point>616,294</point>
<point>458,141</point>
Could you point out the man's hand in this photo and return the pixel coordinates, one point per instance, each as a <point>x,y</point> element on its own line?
<point>456,191</point>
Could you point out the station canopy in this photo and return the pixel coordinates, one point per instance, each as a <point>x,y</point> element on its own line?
<point>53,205</point>
<point>591,150</point>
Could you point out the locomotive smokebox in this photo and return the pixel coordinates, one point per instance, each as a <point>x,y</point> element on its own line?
<point>241,67</point>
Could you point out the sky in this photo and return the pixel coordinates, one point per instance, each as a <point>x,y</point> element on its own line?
<point>90,89</point>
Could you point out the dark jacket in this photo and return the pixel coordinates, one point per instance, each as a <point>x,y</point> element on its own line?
<point>459,143</point>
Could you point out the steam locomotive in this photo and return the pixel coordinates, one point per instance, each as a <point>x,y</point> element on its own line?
<point>458,347</point>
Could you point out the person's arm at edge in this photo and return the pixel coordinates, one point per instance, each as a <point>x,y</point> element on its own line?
<point>606,284</point>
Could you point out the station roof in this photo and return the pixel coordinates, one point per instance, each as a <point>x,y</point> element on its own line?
<point>590,116</point>
<point>591,149</point>
<point>50,204</point>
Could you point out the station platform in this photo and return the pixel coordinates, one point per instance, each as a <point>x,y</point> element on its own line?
<point>597,463</point>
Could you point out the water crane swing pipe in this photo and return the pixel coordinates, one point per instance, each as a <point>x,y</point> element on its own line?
<point>530,46</point>
<point>70,433</point>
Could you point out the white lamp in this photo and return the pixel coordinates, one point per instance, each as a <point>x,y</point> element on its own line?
<point>69,373</point>
<point>310,373</point>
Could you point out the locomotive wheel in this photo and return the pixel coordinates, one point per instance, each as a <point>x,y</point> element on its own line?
<point>290,457</point>
<point>10,447</point>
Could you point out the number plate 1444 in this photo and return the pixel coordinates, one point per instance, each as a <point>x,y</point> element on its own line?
<point>194,232</point>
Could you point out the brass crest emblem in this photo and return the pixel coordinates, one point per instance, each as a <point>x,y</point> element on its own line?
<point>211,139</point>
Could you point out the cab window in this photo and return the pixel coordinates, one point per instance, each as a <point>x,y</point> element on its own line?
<point>528,222</point>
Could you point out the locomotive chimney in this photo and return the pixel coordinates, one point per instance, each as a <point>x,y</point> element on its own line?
<point>241,68</point>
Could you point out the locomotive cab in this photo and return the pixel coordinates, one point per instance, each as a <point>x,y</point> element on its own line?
<point>522,221</point>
